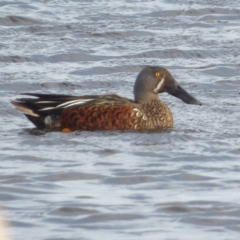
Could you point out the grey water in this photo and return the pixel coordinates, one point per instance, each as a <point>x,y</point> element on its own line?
<point>177,184</point>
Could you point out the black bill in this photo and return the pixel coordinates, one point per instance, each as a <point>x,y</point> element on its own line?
<point>177,91</point>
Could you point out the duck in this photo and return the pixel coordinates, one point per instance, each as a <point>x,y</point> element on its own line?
<point>66,113</point>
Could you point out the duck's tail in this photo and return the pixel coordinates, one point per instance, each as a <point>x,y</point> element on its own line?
<point>41,111</point>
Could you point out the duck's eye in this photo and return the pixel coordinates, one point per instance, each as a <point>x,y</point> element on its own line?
<point>157,74</point>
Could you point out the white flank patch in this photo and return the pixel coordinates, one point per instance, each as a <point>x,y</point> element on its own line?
<point>160,84</point>
<point>48,120</point>
<point>138,112</point>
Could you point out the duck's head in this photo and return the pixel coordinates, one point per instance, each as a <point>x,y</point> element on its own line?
<point>154,80</point>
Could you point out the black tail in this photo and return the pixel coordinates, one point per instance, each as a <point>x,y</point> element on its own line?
<point>32,108</point>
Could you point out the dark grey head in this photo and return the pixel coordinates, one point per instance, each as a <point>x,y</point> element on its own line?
<point>154,80</point>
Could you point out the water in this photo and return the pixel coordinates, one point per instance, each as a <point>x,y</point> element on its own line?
<point>178,184</point>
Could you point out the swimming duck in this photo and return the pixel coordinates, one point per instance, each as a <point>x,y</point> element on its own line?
<point>108,112</point>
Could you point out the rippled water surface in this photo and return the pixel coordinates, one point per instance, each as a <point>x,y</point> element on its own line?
<point>177,184</point>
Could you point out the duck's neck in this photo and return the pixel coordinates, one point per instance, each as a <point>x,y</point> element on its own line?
<point>145,98</point>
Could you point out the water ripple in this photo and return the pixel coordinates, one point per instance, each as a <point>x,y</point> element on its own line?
<point>179,183</point>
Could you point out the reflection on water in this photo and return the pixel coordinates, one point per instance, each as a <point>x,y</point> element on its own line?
<point>3,229</point>
<point>122,185</point>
